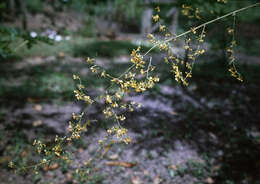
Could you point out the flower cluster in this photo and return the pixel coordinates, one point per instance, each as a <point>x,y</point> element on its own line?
<point>230,51</point>
<point>222,1</point>
<point>77,128</point>
<point>190,12</point>
<point>137,58</point>
<point>138,78</point>
<point>180,67</point>
<point>120,133</point>
<point>80,93</point>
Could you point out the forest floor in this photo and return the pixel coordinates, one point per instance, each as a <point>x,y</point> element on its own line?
<point>208,132</point>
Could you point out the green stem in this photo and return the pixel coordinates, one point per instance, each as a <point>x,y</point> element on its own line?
<point>204,24</point>
<point>21,45</point>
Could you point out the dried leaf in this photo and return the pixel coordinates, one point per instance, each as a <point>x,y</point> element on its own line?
<point>80,150</point>
<point>145,172</point>
<point>217,167</point>
<point>157,180</point>
<point>61,54</point>
<point>209,180</point>
<point>37,123</point>
<point>123,164</point>
<point>32,100</point>
<point>38,107</point>
<point>51,167</point>
<point>113,157</point>
<point>4,159</point>
<point>174,113</point>
<point>174,167</point>
<point>24,154</point>
<point>136,180</point>
<point>69,177</point>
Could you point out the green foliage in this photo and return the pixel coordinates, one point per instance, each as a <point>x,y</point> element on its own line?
<point>8,36</point>
<point>127,11</point>
<point>44,49</point>
<point>35,6</point>
<point>3,9</point>
<point>45,84</point>
<point>106,49</point>
<point>88,29</point>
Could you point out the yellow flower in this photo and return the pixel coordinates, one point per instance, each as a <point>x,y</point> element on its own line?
<point>94,69</point>
<point>162,28</point>
<point>103,74</point>
<point>150,36</point>
<point>108,99</point>
<point>75,77</point>
<point>88,99</point>
<point>230,31</point>
<point>166,60</point>
<point>109,131</point>
<point>142,71</point>
<point>80,86</point>
<point>117,95</point>
<point>122,118</point>
<point>114,105</point>
<point>107,112</point>
<point>156,18</point>
<point>44,161</point>
<point>89,61</point>
<point>193,30</point>
<point>127,140</point>
<point>11,164</point>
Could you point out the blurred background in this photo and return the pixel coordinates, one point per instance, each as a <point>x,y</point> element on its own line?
<point>208,132</point>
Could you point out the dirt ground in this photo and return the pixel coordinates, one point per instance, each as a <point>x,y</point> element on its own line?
<point>175,140</point>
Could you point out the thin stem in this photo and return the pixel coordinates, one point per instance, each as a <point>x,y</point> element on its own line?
<point>21,45</point>
<point>149,65</point>
<point>204,24</point>
<point>234,26</point>
<point>180,35</point>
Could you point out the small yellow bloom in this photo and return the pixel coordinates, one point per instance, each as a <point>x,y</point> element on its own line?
<point>88,99</point>
<point>103,74</point>
<point>156,18</point>
<point>75,77</point>
<point>44,161</point>
<point>230,31</point>
<point>11,164</point>
<point>193,30</point>
<point>117,95</point>
<point>108,99</point>
<point>122,118</point>
<point>109,131</point>
<point>89,61</point>
<point>162,28</point>
<point>114,105</point>
<point>127,140</point>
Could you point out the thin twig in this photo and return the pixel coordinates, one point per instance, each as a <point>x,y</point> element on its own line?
<point>204,24</point>
<point>21,45</point>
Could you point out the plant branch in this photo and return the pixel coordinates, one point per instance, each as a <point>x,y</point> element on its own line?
<point>204,24</point>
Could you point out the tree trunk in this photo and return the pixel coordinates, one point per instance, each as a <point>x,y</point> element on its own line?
<point>147,21</point>
<point>174,22</point>
<point>24,13</point>
<point>11,7</point>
